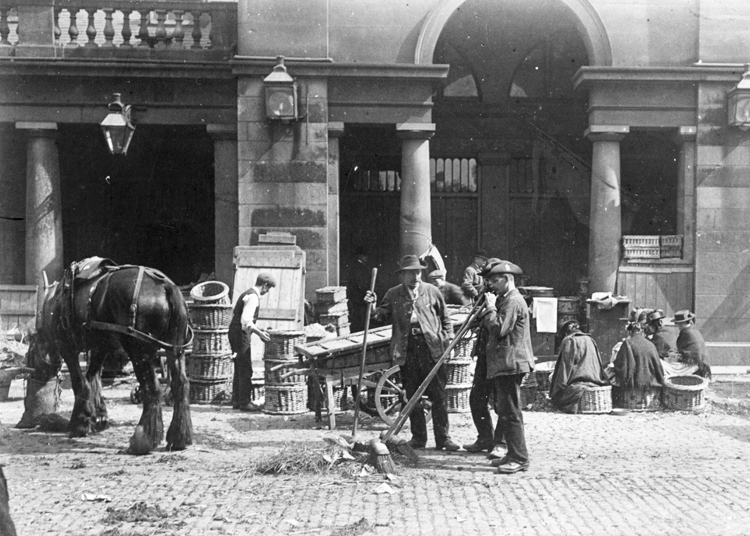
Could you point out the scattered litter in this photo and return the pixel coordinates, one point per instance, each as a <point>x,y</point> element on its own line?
<point>354,529</point>
<point>139,512</point>
<point>293,522</point>
<point>93,497</point>
<point>384,488</point>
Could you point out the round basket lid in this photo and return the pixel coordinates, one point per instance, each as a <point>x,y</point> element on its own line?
<point>209,291</point>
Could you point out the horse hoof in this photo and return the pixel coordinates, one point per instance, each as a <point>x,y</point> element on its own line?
<point>101,425</point>
<point>78,431</point>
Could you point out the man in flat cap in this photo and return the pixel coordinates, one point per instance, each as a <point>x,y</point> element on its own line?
<point>241,328</point>
<point>509,358</point>
<point>473,281</point>
<point>452,294</point>
<point>422,331</point>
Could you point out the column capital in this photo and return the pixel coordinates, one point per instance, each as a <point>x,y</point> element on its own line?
<point>335,129</point>
<point>222,132</point>
<point>686,135</point>
<point>37,129</point>
<point>606,132</point>
<point>494,158</point>
<point>419,131</point>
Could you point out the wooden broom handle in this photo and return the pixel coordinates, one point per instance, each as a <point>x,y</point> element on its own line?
<point>364,355</point>
<point>411,404</point>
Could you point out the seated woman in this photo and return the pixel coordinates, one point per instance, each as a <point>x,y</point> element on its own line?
<point>637,364</point>
<point>578,366</point>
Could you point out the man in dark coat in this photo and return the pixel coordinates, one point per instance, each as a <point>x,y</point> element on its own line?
<point>637,364</point>
<point>473,281</point>
<point>422,331</point>
<point>452,294</point>
<point>579,365</point>
<point>690,343</point>
<point>664,339</point>
<point>241,328</point>
<point>509,358</point>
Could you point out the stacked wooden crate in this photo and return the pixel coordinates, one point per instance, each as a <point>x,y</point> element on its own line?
<point>649,247</point>
<point>210,366</point>
<point>331,307</point>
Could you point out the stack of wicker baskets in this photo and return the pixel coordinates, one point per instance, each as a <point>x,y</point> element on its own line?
<point>460,374</point>
<point>331,308</point>
<point>210,365</point>
<point>285,395</point>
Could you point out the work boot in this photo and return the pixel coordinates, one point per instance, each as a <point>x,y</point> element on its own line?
<point>415,444</point>
<point>497,452</point>
<point>479,446</point>
<point>448,445</point>
<point>512,467</point>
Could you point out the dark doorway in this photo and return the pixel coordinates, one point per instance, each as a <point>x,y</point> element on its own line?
<point>154,206</point>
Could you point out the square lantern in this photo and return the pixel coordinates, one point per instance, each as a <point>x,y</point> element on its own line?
<point>281,94</point>
<point>117,127</point>
<point>738,103</point>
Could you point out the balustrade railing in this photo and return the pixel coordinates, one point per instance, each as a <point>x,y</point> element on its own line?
<point>120,27</point>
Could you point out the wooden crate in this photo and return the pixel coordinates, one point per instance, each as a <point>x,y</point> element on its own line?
<point>17,306</point>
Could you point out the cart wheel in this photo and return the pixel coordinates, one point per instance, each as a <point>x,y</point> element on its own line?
<point>135,395</point>
<point>390,397</point>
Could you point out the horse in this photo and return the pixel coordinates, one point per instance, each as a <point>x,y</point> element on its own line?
<point>105,309</point>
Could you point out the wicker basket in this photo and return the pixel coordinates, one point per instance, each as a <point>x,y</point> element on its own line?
<point>330,294</point>
<point>275,368</point>
<point>685,393</point>
<point>211,316</point>
<point>209,366</point>
<point>282,343</point>
<point>211,341</point>
<point>457,397</point>
<point>459,371</point>
<point>648,399</point>
<point>596,400</point>
<point>286,399</point>
<point>210,292</point>
<point>210,392</point>
<point>463,348</point>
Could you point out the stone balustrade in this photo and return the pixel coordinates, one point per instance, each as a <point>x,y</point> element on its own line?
<point>119,28</point>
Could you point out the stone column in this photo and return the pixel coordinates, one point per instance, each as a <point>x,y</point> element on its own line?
<point>493,204</point>
<point>335,131</point>
<point>416,216</point>
<point>44,239</point>
<point>226,218</point>
<point>685,140</point>
<point>605,233</point>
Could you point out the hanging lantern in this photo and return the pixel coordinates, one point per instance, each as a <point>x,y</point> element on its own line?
<point>117,127</point>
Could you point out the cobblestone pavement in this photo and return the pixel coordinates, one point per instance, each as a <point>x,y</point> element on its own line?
<point>662,473</point>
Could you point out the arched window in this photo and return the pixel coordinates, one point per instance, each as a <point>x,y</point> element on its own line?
<point>547,70</point>
<point>461,81</point>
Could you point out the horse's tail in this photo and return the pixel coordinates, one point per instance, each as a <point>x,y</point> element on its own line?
<point>180,433</point>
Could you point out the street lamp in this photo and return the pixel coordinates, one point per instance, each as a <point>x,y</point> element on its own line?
<point>738,102</point>
<point>117,127</point>
<point>281,94</point>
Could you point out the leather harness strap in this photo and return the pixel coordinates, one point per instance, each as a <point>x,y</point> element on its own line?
<point>136,293</point>
<point>132,332</point>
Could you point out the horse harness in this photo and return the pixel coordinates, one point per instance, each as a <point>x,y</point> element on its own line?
<point>102,271</point>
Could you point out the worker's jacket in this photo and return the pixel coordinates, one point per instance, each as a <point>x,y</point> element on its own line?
<point>509,348</point>
<point>432,317</point>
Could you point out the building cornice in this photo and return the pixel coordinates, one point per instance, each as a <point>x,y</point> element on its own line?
<point>114,68</point>
<point>587,77</point>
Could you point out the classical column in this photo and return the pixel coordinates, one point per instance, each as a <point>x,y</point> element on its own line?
<point>416,216</point>
<point>335,131</point>
<point>44,239</point>
<point>685,140</point>
<point>605,227</point>
<point>226,218</point>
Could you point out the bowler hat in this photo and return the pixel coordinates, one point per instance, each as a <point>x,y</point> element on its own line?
<point>655,315</point>
<point>488,266</point>
<point>410,262</point>
<point>505,267</point>
<point>436,274</point>
<point>683,316</point>
<point>482,254</point>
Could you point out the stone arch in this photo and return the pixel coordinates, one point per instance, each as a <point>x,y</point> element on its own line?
<point>590,25</point>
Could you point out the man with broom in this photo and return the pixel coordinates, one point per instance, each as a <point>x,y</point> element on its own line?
<point>422,331</point>
<point>509,358</point>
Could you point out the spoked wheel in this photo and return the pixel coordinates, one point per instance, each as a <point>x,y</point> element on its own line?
<point>390,397</point>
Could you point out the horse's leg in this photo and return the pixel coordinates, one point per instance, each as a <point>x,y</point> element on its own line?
<point>94,377</point>
<point>82,418</point>
<point>43,390</point>
<point>151,418</point>
<point>180,433</point>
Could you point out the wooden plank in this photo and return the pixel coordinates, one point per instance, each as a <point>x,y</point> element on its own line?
<point>277,314</point>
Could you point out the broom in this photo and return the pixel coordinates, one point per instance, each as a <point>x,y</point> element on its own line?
<point>389,436</point>
<point>364,357</point>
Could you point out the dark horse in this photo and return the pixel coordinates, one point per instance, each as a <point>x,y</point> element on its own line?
<point>108,309</point>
